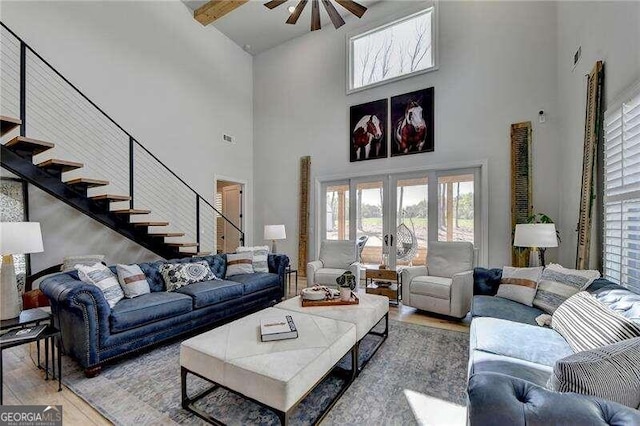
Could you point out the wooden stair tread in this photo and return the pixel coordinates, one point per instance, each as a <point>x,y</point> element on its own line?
<point>62,165</point>
<point>203,253</point>
<point>7,124</point>
<point>110,197</point>
<point>28,144</point>
<point>131,211</point>
<point>167,234</point>
<point>88,182</point>
<point>183,244</point>
<point>150,223</point>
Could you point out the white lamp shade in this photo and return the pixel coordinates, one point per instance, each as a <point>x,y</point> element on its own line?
<point>536,235</point>
<point>274,232</point>
<point>20,238</point>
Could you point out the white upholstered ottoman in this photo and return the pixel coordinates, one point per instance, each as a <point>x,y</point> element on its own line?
<point>275,374</point>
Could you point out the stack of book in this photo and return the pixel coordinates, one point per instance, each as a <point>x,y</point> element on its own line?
<point>278,329</point>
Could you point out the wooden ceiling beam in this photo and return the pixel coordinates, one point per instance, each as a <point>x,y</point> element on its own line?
<point>216,9</point>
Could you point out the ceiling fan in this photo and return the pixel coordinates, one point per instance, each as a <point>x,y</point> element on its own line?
<point>353,7</point>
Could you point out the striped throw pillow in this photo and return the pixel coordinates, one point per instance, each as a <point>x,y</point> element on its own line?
<point>102,277</point>
<point>558,283</point>
<point>611,372</point>
<point>132,280</point>
<point>239,263</point>
<point>519,284</point>
<point>260,255</point>
<point>586,323</point>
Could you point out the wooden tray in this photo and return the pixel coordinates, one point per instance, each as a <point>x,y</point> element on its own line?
<point>333,302</point>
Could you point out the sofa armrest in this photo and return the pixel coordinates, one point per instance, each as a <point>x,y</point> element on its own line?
<point>81,312</point>
<point>498,399</point>
<point>312,268</point>
<point>407,275</point>
<point>461,294</point>
<point>278,264</point>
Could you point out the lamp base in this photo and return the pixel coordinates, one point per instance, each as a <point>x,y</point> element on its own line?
<point>10,305</point>
<point>273,247</point>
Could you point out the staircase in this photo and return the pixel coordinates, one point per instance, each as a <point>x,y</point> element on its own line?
<point>64,179</point>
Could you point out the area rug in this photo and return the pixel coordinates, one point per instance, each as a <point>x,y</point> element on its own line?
<point>415,360</point>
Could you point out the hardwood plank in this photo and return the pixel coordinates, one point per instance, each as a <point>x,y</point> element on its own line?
<point>166,234</point>
<point>182,244</point>
<point>34,146</point>
<point>87,182</point>
<point>110,197</point>
<point>7,124</point>
<point>131,211</point>
<point>216,9</point>
<point>61,165</point>
<point>150,223</point>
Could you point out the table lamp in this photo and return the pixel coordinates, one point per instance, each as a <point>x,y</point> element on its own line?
<point>536,235</point>
<point>273,233</point>
<point>15,238</point>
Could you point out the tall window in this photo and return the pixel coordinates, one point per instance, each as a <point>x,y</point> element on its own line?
<point>395,50</point>
<point>622,192</point>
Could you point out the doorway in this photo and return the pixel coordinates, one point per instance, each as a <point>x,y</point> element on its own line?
<point>229,202</point>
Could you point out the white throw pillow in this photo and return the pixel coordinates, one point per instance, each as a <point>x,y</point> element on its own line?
<point>69,263</point>
<point>519,284</point>
<point>132,280</point>
<point>240,263</point>
<point>102,277</point>
<point>260,257</point>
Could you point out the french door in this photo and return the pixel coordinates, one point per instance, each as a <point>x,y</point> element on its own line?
<point>398,214</point>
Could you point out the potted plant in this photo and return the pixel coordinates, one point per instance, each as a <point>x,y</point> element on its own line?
<point>347,283</point>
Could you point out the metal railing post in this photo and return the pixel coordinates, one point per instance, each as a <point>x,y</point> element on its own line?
<point>23,88</point>
<point>131,165</point>
<point>198,221</point>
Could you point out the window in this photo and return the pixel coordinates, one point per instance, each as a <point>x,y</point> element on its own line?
<point>396,50</point>
<point>622,192</point>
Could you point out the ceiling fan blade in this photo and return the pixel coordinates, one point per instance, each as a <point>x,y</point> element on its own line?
<point>315,15</point>
<point>274,3</point>
<point>353,7</point>
<point>336,19</point>
<point>293,18</point>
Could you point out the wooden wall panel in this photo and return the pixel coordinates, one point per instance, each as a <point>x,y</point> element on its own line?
<point>521,184</point>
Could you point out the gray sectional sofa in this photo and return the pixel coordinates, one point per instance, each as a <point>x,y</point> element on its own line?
<point>94,333</point>
<point>511,359</point>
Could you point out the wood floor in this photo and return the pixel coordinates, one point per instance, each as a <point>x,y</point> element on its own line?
<point>24,383</point>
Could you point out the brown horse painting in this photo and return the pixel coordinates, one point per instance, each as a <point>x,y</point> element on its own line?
<point>411,130</point>
<point>367,137</point>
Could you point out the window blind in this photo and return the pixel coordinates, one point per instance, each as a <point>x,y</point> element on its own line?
<point>622,193</point>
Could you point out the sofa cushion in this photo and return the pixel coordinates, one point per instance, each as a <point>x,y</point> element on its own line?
<point>531,343</point>
<point>257,281</point>
<point>437,287</point>
<point>148,308</point>
<point>328,276</point>
<point>497,307</point>
<point>485,362</point>
<point>207,293</point>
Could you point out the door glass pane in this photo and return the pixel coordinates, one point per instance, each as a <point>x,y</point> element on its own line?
<point>369,212</point>
<point>337,199</point>
<point>455,208</point>
<point>412,232</point>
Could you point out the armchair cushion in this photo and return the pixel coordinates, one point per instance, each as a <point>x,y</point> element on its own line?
<point>338,254</point>
<point>327,276</point>
<point>437,287</point>
<point>446,259</point>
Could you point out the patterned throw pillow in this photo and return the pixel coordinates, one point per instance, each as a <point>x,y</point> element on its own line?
<point>132,280</point>
<point>519,284</point>
<point>557,284</point>
<point>69,263</point>
<point>240,263</point>
<point>178,275</point>
<point>611,372</point>
<point>260,255</point>
<point>586,323</point>
<point>102,277</point>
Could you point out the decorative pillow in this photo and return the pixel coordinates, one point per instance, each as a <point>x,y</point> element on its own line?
<point>102,277</point>
<point>69,263</point>
<point>260,255</point>
<point>586,323</point>
<point>557,284</point>
<point>178,275</point>
<point>132,280</point>
<point>519,284</point>
<point>611,372</point>
<point>239,263</point>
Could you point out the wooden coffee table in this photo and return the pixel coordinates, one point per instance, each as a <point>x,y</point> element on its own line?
<point>373,276</point>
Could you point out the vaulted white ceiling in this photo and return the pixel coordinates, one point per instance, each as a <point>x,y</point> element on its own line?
<point>255,26</point>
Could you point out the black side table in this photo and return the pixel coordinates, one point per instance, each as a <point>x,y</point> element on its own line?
<point>288,272</point>
<point>27,318</point>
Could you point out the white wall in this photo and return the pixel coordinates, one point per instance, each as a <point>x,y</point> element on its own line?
<point>607,31</point>
<point>497,67</point>
<point>174,85</point>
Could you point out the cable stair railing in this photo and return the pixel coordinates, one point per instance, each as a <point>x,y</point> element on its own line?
<point>67,146</point>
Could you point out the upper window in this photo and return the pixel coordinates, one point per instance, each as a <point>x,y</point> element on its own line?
<point>393,51</point>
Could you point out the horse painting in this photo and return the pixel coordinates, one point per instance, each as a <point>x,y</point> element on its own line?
<point>412,118</point>
<point>368,135</point>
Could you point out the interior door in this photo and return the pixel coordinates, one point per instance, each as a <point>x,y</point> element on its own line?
<point>231,209</point>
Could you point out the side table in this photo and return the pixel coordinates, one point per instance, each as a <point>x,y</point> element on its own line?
<point>372,276</point>
<point>288,272</point>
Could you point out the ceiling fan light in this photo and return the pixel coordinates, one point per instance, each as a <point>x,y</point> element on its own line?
<point>291,9</point>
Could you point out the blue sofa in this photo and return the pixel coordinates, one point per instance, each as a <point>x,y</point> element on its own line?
<point>511,358</point>
<point>93,333</point>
